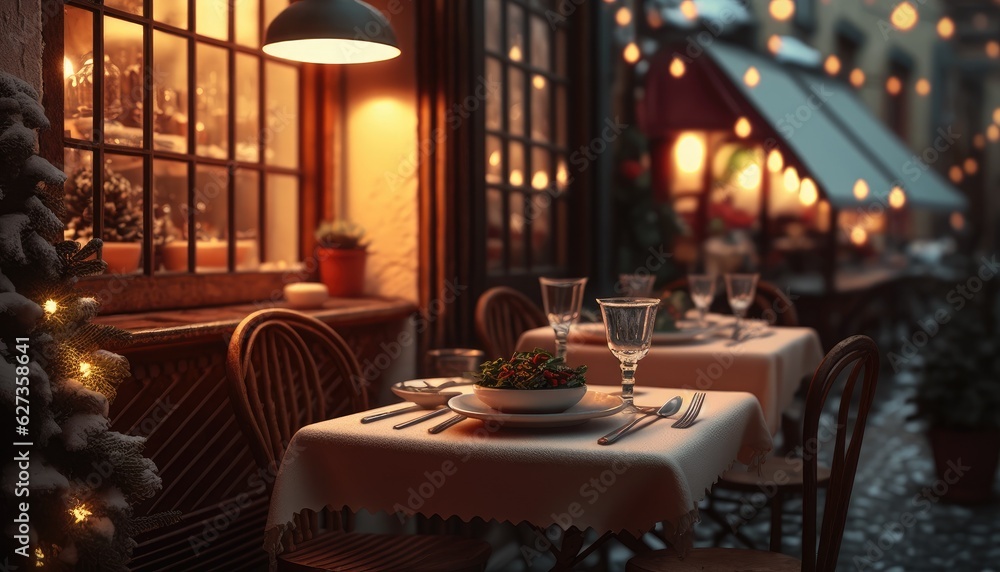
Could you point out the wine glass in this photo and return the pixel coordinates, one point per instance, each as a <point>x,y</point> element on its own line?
<point>741,289</point>
<point>702,287</point>
<point>562,298</point>
<point>629,324</point>
<point>635,285</point>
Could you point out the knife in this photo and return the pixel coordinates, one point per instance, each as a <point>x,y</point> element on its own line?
<point>668,409</point>
<point>442,426</point>
<point>420,419</point>
<point>392,413</point>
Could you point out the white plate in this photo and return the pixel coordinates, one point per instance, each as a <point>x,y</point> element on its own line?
<point>427,399</point>
<point>594,333</point>
<point>592,406</point>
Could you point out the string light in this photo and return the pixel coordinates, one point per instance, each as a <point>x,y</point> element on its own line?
<point>689,10</point>
<point>904,16</point>
<point>50,306</point>
<point>971,166</point>
<point>857,77</point>
<point>538,82</point>
<point>859,236</point>
<point>623,16</point>
<point>562,176</point>
<point>775,161</point>
<point>80,513</point>
<point>993,49</point>
<point>742,128</point>
<point>808,193</point>
<point>751,77</point>
<point>86,369</point>
<point>677,67</point>
<point>774,44</point>
<point>516,178</point>
<point>978,141</point>
<point>540,180</point>
<point>955,174</point>
<point>495,158</point>
<point>791,180</point>
<point>957,220</point>
<point>861,189</point>
<point>515,53</point>
<point>632,53</point>
<point>897,198</point>
<point>922,87</point>
<point>993,133</point>
<point>893,85</point>
<point>689,153</point>
<point>832,65</point>
<point>945,28</point>
<point>781,10</point>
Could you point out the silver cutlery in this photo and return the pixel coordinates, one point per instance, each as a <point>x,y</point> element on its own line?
<point>392,413</point>
<point>420,419</point>
<point>436,388</point>
<point>669,408</point>
<point>692,412</point>
<point>448,423</point>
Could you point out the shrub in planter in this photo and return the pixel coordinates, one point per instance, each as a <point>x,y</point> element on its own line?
<point>342,254</point>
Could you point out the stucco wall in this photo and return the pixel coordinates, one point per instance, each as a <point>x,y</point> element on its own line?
<point>21,33</point>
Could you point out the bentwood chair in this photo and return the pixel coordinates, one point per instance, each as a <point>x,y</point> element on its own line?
<point>859,356</point>
<point>770,303</point>
<point>502,315</point>
<point>286,370</point>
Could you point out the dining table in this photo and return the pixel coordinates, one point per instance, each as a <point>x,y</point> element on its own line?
<point>542,476</point>
<point>769,362</point>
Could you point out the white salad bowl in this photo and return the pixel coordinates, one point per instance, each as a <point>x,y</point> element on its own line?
<point>530,400</point>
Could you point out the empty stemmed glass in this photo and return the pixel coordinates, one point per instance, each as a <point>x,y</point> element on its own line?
<point>635,285</point>
<point>562,298</point>
<point>741,289</point>
<point>702,288</point>
<point>629,324</point>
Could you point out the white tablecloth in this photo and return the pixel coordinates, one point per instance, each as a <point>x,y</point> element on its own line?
<point>771,367</point>
<point>546,476</point>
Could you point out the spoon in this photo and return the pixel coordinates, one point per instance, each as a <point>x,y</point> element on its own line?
<point>669,408</point>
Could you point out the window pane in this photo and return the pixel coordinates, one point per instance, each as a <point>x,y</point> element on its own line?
<point>170,220</point>
<point>541,129</point>
<point>130,6</point>
<point>211,218</point>
<point>170,102</point>
<point>247,108</point>
<point>77,71</point>
<point>517,229</point>
<point>493,31</point>
<point>515,32</point>
<point>515,98</point>
<point>123,82</point>
<point>561,53</point>
<point>248,22</point>
<point>494,97</point>
<point>211,18</point>
<point>282,136</point>
<point>172,13</point>
<point>212,113</point>
<point>273,7</point>
<point>282,218</point>
<point>79,195</point>
<point>247,213</point>
<point>494,161</point>
<point>516,167</point>
<point>122,213</point>
<point>541,229</point>
<point>540,38</point>
<point>494,230</point>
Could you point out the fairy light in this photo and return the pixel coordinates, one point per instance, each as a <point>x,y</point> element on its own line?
<point>922,87</point>
<point>516,178</point>
<point>690,152</point>
<point>861,189</point>
<point>775,161</point>
<point>774,44</point>
<point>993,133</point>
<point>781,10</point>
<point>808,193</point>
<point>80,513</point>
<point>993,49</point>
<point>897,198</point>
<point>970,166</point>
<point>623,16</point>
<point>978,141</point>
<point>832,64</point>
<point>677,67</point>
<point>751,77</point>
<point>955,174</point>
<point>689,10</point>
<point>67,68</point>
<point>86,369</point>
<point>540,180</point>
<point>50,306</point>
<point>857,77</point>
<point>946,28</point>
<point>904,16</point>
<point>859,236</point>
<point>957,220</point>
<point>632,53</point>
<point>515,53</point>
<point>538,82</point>
<point>893,85</point>
<point>495,158</point>
<point>562,176</point>
<point>653,18</point>
<point>791,180</point>
<point>742,128</point>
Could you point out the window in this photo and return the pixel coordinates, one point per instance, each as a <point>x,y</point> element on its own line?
<point>526,148</point>
<point>897,88</point>
<point>805,14</point>
<point>181,138</point>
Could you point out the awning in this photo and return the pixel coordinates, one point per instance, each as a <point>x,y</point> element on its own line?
<point>832,134</point>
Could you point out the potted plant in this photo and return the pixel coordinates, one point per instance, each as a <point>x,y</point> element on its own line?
<point>122,234</point>
<point>959,398</point>
<point>342,253</point>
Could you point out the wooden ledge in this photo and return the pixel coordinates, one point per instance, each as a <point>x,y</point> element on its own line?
<point>171,327</point>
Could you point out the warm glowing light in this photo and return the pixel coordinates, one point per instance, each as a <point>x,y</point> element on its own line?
<point>832,64</point>
<point>996,116</point>
<point>39,556</point>
<point>516,178</point>
<point>946,28</point>
<point>689,10</point>
<point>495,158</point>
<point>689,153</point>
<point>922,87</point>
<point>199,127</point>
<point>791,180</point>
<point>50,306</point>
<point>897,198</point>
<point>774,44</point>
<point>775,162</point>
<point>750,177</point>
<point>993,133</point>
<point>859,236</point>
<point>861,189</point>
<point>955,174</point>
<point>86,369</point>
<point>562,176</point>
<point>993,49</point>
<point>904,16</point>
<point>857,77</point>
<point>331,51</point>
<point>957,220</point>
<point>781,10</point>
<point>653,18</point>
<point>742,128</point>
<point>808,193</point>
<point>80,513</point>
<point>515,53</point>
<point>623,16</point>
<point>540,180</point>
<point>538,82</point>
<point>893,85</point>
<point>677,67</point>
<point>751,77</point>
<point>971,166</point>
<point>978,141</point>
<point>67,68</point>
<point>632,53</point>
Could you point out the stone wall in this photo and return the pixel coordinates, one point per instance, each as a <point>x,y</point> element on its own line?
<point>21,33</point>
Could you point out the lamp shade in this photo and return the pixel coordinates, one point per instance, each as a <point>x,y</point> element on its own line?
<point>331,32</point>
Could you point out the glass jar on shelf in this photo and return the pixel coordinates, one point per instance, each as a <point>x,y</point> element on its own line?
<point>83,88</point>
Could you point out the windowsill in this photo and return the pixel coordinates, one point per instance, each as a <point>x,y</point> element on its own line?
<point>169,327</point>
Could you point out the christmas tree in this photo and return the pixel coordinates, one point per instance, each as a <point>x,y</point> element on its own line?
<point>71,482</point>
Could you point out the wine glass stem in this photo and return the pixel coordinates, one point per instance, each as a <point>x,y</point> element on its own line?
<point>628,382</point>
<point>702,311</point>
<point>561,345</point>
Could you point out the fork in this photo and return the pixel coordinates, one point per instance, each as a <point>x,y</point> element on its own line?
<point>692,412</point>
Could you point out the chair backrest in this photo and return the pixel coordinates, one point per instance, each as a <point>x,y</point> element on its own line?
<point>859,356</point>
<point>286,370</point>
<point>502,315</point>
<point>770,303</point>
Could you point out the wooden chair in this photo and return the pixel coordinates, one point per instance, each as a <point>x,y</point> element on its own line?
<point>286,370</point>
<point>502,315</point>
<point>858,355</point>
<point>770,303</point>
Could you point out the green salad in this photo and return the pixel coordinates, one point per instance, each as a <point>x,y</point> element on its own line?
<point>537,369</point>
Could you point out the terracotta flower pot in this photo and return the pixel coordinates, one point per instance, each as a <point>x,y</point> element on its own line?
<point>342,270</point>
<point>966,461</point>
<point>210,255</point>
<point>121,257</point>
